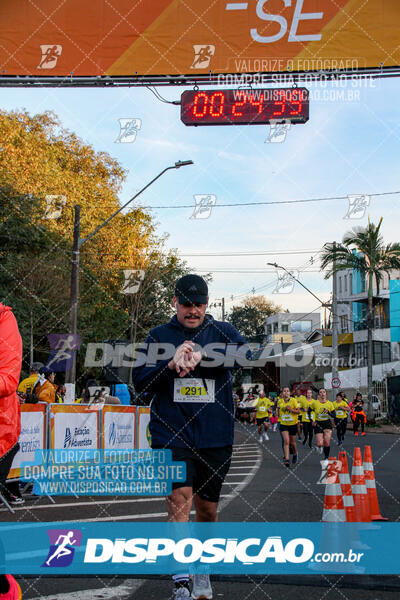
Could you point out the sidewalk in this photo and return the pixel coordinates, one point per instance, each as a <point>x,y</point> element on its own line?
<point>383,428</point>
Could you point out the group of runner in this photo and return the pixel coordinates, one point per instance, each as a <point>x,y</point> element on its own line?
<point>300,417</point>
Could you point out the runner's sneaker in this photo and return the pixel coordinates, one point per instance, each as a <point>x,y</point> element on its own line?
<point>294,459</point>
<point>14,593</point>
<point>16,500</point>
<point>202,589</point>
<point>260,439</point>
<point>266,436</point>
<point>182,590</point>
<point>363,433</point>
<point>286,463</point>
<point>356,433</point>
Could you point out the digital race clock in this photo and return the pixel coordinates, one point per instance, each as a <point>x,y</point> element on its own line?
<point>245,107</point>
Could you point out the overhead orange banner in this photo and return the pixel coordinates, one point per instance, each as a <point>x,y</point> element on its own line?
<point>177,37</point>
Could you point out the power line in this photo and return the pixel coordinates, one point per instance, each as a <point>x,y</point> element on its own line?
<point>250,253</point>
<point>275,201</point>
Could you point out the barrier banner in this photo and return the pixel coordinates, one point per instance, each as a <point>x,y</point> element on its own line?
<point>143,419</point>
<point>74,426</point>
<point>170,37</point>
<point>118,427</point>
<point>249,548</point>
<point>32,436</point>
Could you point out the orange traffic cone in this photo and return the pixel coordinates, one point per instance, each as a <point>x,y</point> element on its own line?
<point>371,485</point>
<point>333,501</point>
<point>358,487</point>
<point>345,482</point>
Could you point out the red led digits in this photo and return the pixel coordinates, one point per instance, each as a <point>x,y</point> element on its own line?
<point>280,103</point>
<point>239,104</point>
<point>293,102</point>
<point>197,110</point>
<point>257,100</point>
<point>217,99</point>
<point>244,107</point>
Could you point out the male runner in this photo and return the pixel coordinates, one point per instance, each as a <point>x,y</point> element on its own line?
<point>197,428</point>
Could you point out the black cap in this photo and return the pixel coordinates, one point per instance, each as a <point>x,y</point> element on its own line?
<point>191,288</point>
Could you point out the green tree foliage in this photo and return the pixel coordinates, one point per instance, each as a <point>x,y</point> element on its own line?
<point>39,158</point>
<point>249,317</point>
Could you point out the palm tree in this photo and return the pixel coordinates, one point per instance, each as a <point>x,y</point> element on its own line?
<point>371,258</point>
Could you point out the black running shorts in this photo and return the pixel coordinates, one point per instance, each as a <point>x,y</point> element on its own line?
<point>261,420</point>
<point>292,429</point>
<point>320,426</point>
<point>206,469</point>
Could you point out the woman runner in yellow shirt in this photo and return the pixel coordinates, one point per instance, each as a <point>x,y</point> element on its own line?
<point>342,409</point>
<point>307,424</point>
<point>323,411</point>
<point>288,413</point>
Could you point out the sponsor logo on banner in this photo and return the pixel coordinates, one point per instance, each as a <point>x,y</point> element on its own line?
<point>120,430</point>
<point>79,437</point>
<point>62,547</point>
<point>202,56</point>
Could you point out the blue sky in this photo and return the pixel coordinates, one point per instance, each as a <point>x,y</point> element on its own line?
<point>350,145</point>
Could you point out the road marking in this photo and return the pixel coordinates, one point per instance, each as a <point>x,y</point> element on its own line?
<point>124,590</point>
<point>84,503</point>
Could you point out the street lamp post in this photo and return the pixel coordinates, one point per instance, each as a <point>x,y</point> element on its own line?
<point>77,244</point>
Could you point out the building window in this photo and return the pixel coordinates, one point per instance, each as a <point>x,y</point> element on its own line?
<point>301,326</point>
<point>345,283</point>
<point>285,327</point>
<point>350,283</point>
<point>275,326</point>
<point>344,324</point>
<point>340,285</point>
<point>269,329</point>
<point>363,282</point>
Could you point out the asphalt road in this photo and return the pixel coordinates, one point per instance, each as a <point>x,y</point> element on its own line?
<point>257,488</point>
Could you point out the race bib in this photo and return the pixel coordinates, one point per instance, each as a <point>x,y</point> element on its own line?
<point>262,409</point>
<point>323,416</point>
<point>340,413</point>
<point>286,417</point>
<point>194,390</point>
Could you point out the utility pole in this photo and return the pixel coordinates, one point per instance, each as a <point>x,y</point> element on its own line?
<point>74,295</point>
<point>335,323</point>
<point>77,244</point>
<point>223,309</point>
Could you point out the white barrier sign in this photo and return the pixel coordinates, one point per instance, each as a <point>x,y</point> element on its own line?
<point>119,430</point>
<point>31,437</point>
<point>144,434</point>
<point>75,430</point>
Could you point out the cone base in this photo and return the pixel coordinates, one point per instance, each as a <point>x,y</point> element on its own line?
<point>378,518</point>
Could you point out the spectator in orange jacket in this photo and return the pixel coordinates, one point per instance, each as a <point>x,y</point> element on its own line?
<point>44,388</point>
<point>10,416</point>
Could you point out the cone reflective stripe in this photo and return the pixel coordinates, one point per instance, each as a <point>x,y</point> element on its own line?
<point>333,502</point>
<point>345,482</point>
<point>371,486</point>
<point>359,489</point>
